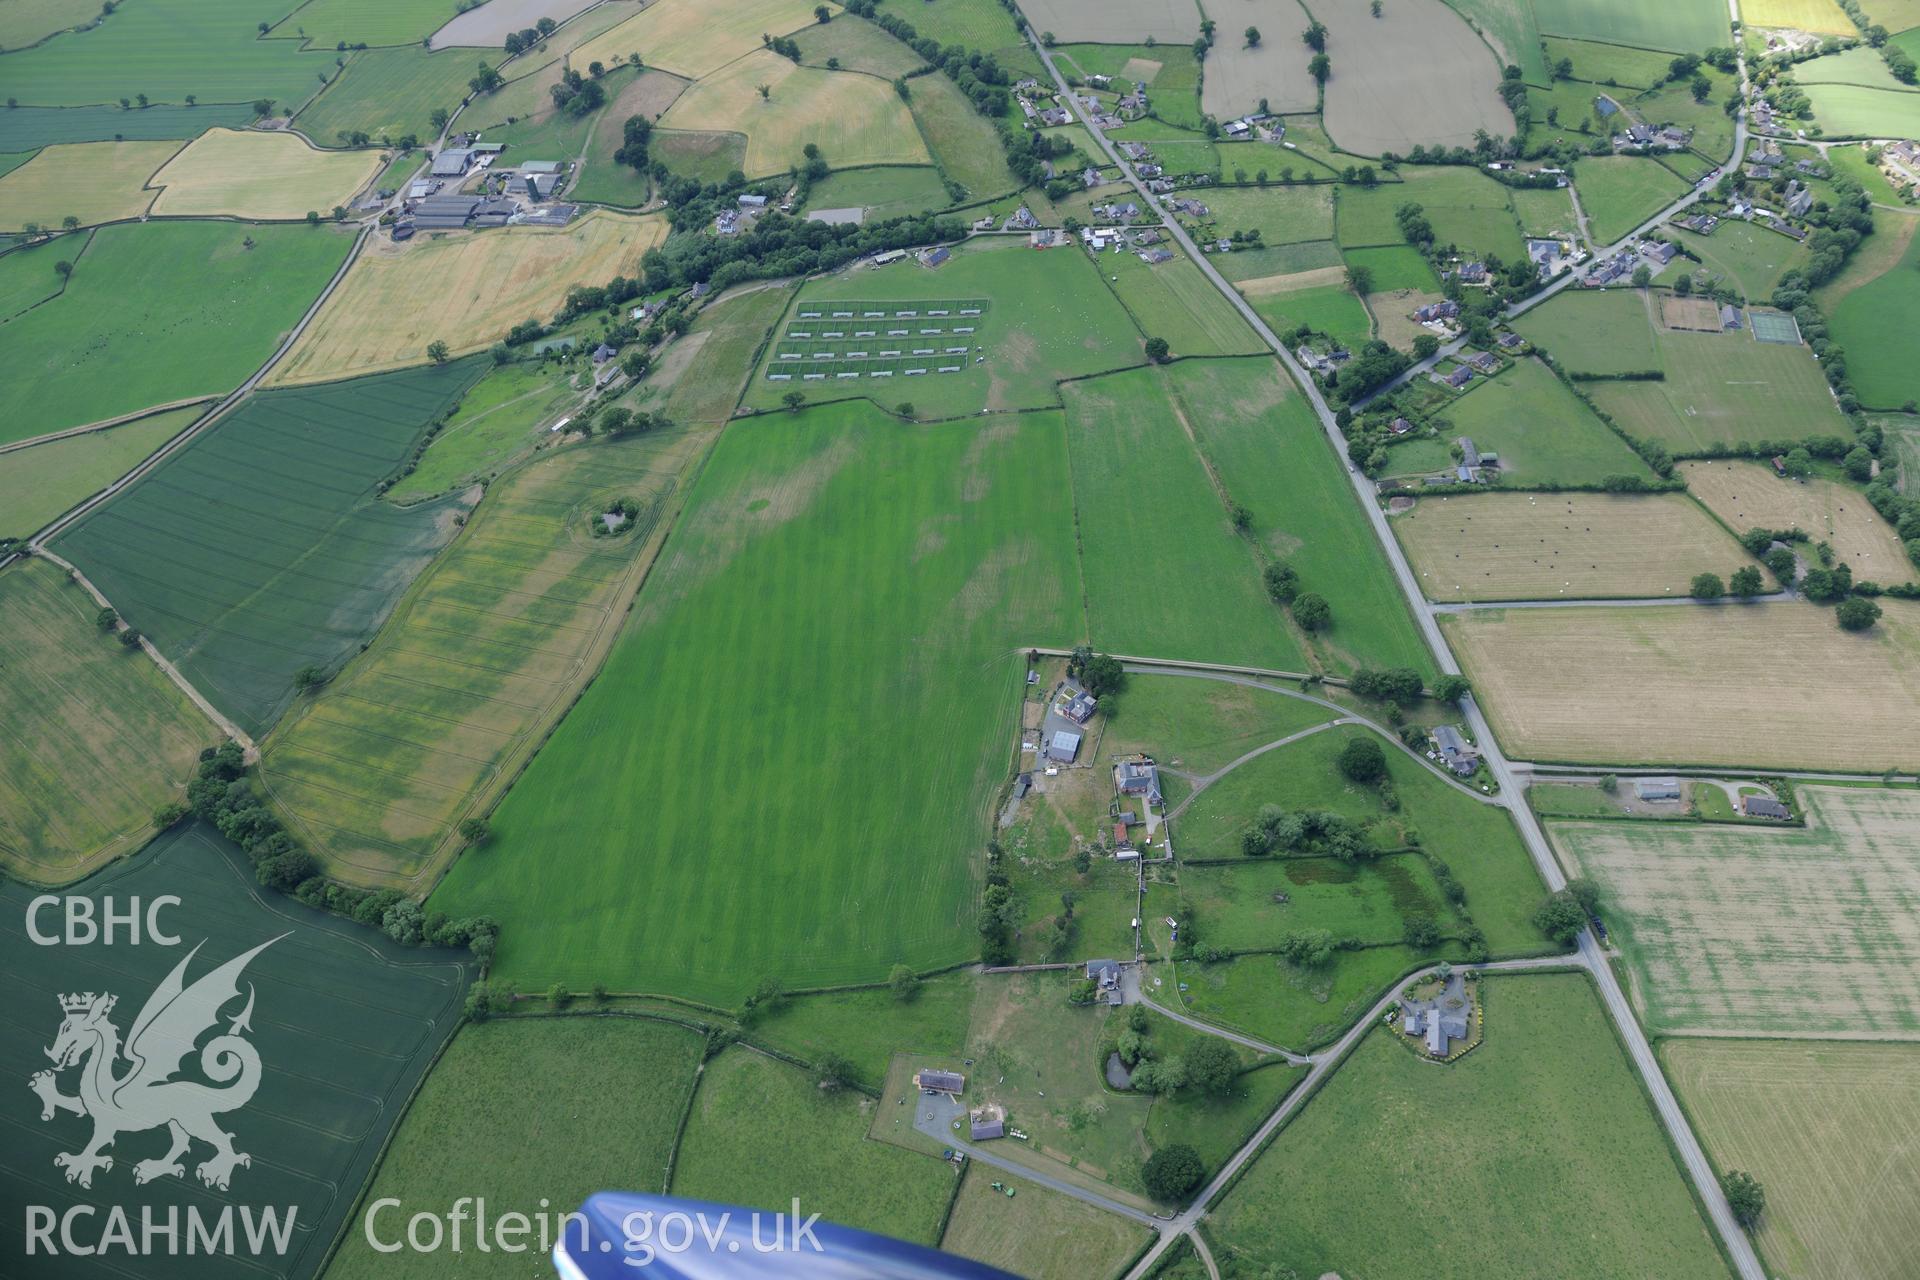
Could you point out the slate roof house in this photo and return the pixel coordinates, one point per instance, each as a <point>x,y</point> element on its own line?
<point>1138,777</point>
<point>1455,751</point>
<point>1440,1021</point>
<point>1762,807</point>
<point>941,1081</point>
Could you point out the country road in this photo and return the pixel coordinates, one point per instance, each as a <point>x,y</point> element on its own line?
<point>1694,1160</point>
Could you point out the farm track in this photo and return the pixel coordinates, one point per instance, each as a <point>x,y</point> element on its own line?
<point>1692,1157</point>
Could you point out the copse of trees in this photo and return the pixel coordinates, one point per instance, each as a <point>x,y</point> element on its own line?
<point>1305,831</point>
<point>1362,760</point>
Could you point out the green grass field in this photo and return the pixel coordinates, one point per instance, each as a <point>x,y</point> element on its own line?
<point>761,1133</point>
<point>97,738</point>
<point>502,418</point>
<point>1199,725</point>
<point>167,50</point>
<point>1620,192</point>
<point>44,480</point>
<point>345,1024</point>
<point>1509,26</point>
<point>1278,260</point>
<point>377,769</point>
<point>1598,61</point>
<point>962,142</point>
<point>720,353</point>
<point>1051,317</point>
<point>1594,331</point>
<point>569,1143</point>
<point>1749,258</point>
<point>391,92</point>
<point>1850,111</point>
<point>158,313</point>
<point>1541,431</point>
<point>705,157</point>
<point>1726,929</point>
<point>885,192</point>
<point>261,547</point>
<point>1544,1123</point>
<point>741,708</point>
<point>869,1026</point>
<point>1173,300</point>
<point>1262,440</point>
<point>976,24</point>
<point>1476,840</point>
<point>1301,1009</point>
<point>854,44</point>
<point>1167,575</point>
<point>1329,309</point>
<point>1685,26</point>
<point>1046,1234</point>
<point>1467,209</point>
<point>1870,322</point>
<point>1724,388</point>
<point>1234,905</point>
<point>374,22</point>
<point>1282,215</point>
<point>1394,267</point>
<point>1828,1129</point>
<point>25,128</point>
<point>1546,212</point>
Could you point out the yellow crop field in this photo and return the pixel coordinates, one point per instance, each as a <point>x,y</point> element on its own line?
<point>92,181</point>
<point>250,174</point>
<point>691,38</point>
<point>1766,685</point>
<point>1737,930</point>
<point>465,289</point>
<point>1562,545</point>
<point>1747,495</point>
<point>1292,282</point>
<point>855,119</point>
<point>1832,1131</point>
<point>1823,17</point>
<point>96,737</point>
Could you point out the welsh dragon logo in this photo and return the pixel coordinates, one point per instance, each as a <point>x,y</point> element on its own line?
<point>145,1094</point>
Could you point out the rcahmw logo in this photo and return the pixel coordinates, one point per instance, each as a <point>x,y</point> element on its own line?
<point>132,1087</point>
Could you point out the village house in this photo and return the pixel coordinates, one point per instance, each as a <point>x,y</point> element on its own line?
<point>1154,257</point>
<point>1442,1020</point>
<point>1105,975</point>
<point>1076,704</point>
<point>1457,379</point>
<point>1022,219</point>
<point>1400,426</point>
<point>1434,312</point>
<point>1764,807</point>
<point>950,1082</point>
<point>1138,777</point>
<point>1485,362</point>
<point>1510,341</point>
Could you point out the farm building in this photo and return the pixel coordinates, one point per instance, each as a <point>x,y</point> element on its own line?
<point>1063,747</point>
<point>1442,1020</point>
<point>444,213</point>
<point>1455,751</point>
<point>935,256</point>
<point>751,201</point>
<point>941,1081</point>
<point>1657,788</point>
<point>1764,807</point>
<point>988,1121</point>
<point>451,163</point>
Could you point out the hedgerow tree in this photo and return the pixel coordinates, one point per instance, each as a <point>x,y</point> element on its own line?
<point>1172,1171</point>
<point>1561,917</point>
<point>1707,586</point>
<point>1312,611</point>
<point>1211,1066</point>
<point>1856,614</point>
<point>1745,1196</point>
<point>1362,760</point>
